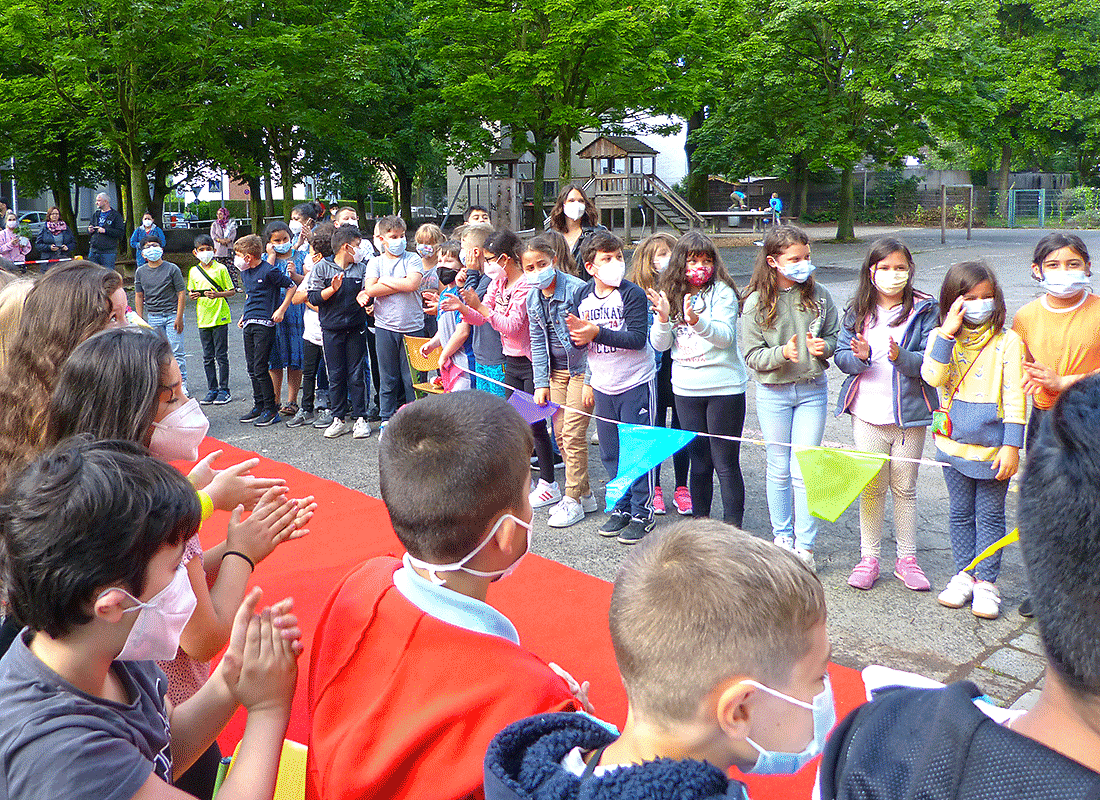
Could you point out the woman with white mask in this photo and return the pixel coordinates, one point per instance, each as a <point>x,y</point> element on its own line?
<point>575,217</point>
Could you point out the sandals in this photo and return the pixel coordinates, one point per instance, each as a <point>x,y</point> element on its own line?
<point>289,409</point>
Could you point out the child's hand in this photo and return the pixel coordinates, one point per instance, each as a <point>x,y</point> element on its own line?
<point>203,472</point>
<point>277,317</point>
<point>337,281</point>
<point>815,345</point>
<point>954,319</point>
<point>690,317</point>
<point>861,348</point>
<point>580,331</point>
<point>425,349</point>
<point>470,298</point>
<point>271,523</point>
<point>588,399</point>
<point>542,396</point>
<point>260,668</point>
<point>1038,377</point>
<point>240,322</point>
<point>790,349</point>
<point>362,298</point>
<point>451,303</point>
<point>578,690</point>
<point>232,487</point>
<point>196,295</point>
<point>659,301</point>
<point>895,351</point>
<point>1007,462</point>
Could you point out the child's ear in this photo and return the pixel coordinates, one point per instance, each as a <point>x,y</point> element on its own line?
<point>731,706</point>
<point>110,605</point>
<point>1037,273</point>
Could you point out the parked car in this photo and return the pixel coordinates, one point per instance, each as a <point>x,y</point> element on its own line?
<point>178,219</point>
<point>425,212</point>
<point>35,220</point>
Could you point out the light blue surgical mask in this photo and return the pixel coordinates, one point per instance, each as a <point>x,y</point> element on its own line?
<point>283,248</point>
<point>1065,283</point>
<point>544,277</point>
<point>772,762</point>
<point>975,312</point>
<point>799,271</point>
<point>153,253</point>
<point>395,247</point>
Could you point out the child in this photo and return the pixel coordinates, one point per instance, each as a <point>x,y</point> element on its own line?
<point>505,309</point>
<point>608,316</point>
<point>720,639</point>
<point>94,534</point>
<point>488,351</point>
<point>392,633</point>
<point>160,294</point>
<point>477,215</point>
<point>881,348</point>
<point>262,311</point>
<point>453,333</point>
<point>936,742</point>
<point>313,360</point>
<point>209,285</point>
<point>979,366</point>
<point>559,372</point>
<point>776,205</point>
<point>650,259</point>
<point>428,239</point>
<point>392,281</point>
<point>287,352</point>
<point>147,229</point>
<point>696,319</point>
<point>343,324</point>
<point>790,330</point>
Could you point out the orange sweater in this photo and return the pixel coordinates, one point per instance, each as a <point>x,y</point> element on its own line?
<point>1067,341</point>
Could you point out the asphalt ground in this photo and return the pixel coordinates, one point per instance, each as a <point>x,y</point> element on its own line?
<point>888,625</point>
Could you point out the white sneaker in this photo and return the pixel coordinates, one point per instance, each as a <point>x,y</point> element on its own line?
<point>807,557</point>
<point>958,591</point>
<point>361,429</point>
<point>786,542</point>
<point>545,494</point>
<point>337,428</point>
<point>567,512</point>
<point>987,600</point>
<point>594,438</point>
<point>588,503</point>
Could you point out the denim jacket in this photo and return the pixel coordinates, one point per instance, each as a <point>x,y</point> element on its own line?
<point>577,358</point>
<point>914,400</point>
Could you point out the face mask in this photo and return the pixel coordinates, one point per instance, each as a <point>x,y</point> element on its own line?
<point>574,210</point>
<point>282,248</point>
<point>152,253</point>
<point>447,275</point>
<point>889,281</point>
<point>178,435</point>
<point>434,569</point>
<point>12,223</point>
<point>1065,283</point>
<point>160,621</point>
<point>295,226</point>
<point>462,257</point>
<point>544,277</point>
<point>206,256</point>
<point>779,763</point>
<point>661,262</point>
<point>977,311</point>
<point>362,252</point>
<point>147,223</point>
<point>396,247</point>
<point>612,273</point>
<point>494,269</point>
<point>425,250</point>
<point>799,271</point>
<point>698,274</point>
<point>239,262</point>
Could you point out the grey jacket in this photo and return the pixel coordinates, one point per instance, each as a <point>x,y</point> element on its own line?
<point>577,358</point>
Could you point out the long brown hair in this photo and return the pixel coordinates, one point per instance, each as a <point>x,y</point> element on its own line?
<point>66,306</point>
<point>563,253</point>
<point>764,280</point>
<point>674,282</point>
<point>642,271</point>
<point>864,308</point>
<point>558,220</point>
<point>962,278</point>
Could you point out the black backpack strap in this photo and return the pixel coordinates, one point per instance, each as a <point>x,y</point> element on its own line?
<point>212,282</point>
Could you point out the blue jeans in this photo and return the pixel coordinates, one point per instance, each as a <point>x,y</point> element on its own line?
<point>793,413</point>
<point>166,323</point>
<point>977,520</point>
<point>105,258</point>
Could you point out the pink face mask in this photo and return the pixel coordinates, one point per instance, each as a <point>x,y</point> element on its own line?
<point>699,274</point>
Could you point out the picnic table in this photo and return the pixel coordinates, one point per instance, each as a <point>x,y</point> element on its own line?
<point>757,216</point>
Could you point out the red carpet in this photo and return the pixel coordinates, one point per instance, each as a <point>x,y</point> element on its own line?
<point>561,614</point>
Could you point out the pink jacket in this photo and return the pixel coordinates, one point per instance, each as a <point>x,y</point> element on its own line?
<point>11,249</point>
<point>507,314</point>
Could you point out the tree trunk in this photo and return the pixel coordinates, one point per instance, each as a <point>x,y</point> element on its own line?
<point>160,190</point>
<point>1004,176</point>
<point>255,203</point>
<point>536,194</point>
<point>361,206</point>
<point>269,201</point>
<point>801,181</point>
<point>804,194</point>
<point>845,223</point>
<point>403,185</point>
<point>565,159</point>
<point>695,182</point>
<point>286,173</point>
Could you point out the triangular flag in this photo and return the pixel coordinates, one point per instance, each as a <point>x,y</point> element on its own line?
<point>834,478</point>
<point>641,448</point>
<point>1000,544</point>
<point>531,411</point>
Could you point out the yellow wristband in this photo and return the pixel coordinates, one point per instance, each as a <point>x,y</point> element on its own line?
<point>206,503</point>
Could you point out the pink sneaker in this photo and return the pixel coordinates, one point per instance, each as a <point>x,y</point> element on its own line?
<point>682,500</point>
<point>865,574</point>
<point>659,502</point>
<point>911,574</point>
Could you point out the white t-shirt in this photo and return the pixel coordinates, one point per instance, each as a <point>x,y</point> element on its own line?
<point>874,400</point>
<point>311,321</point>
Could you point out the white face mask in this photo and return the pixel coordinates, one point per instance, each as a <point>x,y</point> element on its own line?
<point>494,269</point>
<point>889,281</point>
<point>612,272</point>
<point>799,271</point>
<point>147,223</point>
<point>295,226</point>
<point>160,621</point>
<point>239,262</point>
<point>661,262</point>
<point>1065,283</point>
<point>574,209</point>
<point>12,223</point>
<point>977,311</point>
<point>433,570</point>
<point>206,256</point>
<point>177,437</point>
<point>363,252</point>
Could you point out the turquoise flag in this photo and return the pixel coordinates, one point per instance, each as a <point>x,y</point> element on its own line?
<point>834,478</point>
<point>641,448</point>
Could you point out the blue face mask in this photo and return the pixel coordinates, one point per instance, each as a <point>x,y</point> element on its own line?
<point>152,253</point>
<point>543,277</point>
<point>799,271</point>
<point>395,247</point>
<point>282,249</point>
<point>824,710</point>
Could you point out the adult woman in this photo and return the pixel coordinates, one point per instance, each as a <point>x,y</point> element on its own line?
<point>224,232</point>
<point>575,217</point>
<point>148,228</point>
<point>13,246</point>
<point>55,241</point>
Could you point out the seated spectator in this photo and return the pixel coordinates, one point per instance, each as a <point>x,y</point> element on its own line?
<point>720,639</point>
<point>412,672</point>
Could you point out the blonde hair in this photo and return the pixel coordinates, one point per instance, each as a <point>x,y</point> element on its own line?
<point>642,270</point>
<point>476,235</point>
<point>250,245</point>
<point>701,602</point>
<point>429,233</point>
<point>12,298</point>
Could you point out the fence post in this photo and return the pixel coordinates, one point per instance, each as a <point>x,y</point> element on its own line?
<point>1012,208</point>
<point>970,213</point>
<point>1042,208</point>
<point>943,213</point>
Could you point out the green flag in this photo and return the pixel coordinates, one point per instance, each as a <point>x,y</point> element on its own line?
<point>834,478</point>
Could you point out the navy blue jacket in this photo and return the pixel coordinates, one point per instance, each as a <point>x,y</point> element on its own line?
<point>914,400</point>
<point>262,284</point>
<point>524,763</point>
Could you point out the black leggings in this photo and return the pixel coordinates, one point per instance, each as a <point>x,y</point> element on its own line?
<point>666,401</point>
<point>721,414</point>
<point>519,374</point>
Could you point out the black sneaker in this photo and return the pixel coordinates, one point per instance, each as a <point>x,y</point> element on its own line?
<point>266,418</point>
<point>223,397</point>
<point>252,415</point>
<point>636,529</point>
<point>1025,608</point>
<point>210,397</point>
<point>615,523</point>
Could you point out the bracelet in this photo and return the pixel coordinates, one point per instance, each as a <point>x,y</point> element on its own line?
<point>251,563</point>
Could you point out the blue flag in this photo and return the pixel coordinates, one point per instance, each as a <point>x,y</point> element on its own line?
<point>641,448</point>
<point>531,411</point>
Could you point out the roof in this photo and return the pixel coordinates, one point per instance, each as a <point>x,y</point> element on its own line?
<point>504,155</point>
<point>616,147</point>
